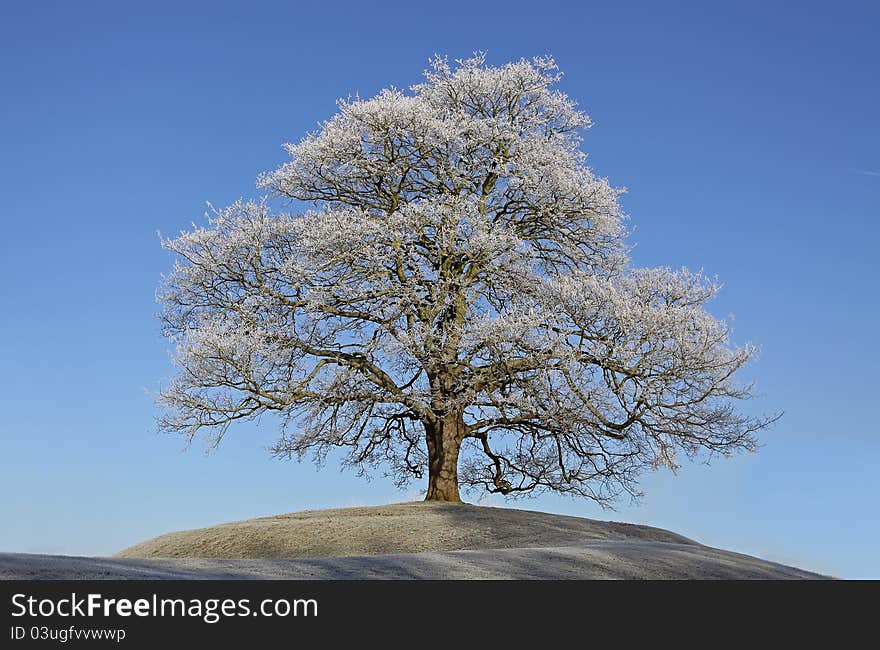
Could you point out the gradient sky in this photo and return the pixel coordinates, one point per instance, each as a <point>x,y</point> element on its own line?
<point>746,132</point>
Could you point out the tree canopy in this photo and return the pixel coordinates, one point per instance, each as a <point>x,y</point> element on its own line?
<point>454,300</point>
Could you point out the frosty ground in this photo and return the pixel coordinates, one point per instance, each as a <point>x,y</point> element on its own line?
<point>410,541</point>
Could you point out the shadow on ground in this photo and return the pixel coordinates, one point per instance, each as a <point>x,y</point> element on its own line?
<point>596,560</point>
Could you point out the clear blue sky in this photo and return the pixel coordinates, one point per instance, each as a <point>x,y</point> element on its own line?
<point>746,132</point>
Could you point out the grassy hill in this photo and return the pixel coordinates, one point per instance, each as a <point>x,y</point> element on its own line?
<point>409,541</point>
<point>400,528</point>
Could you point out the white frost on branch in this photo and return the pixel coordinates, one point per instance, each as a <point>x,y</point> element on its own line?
<point>461,261</point>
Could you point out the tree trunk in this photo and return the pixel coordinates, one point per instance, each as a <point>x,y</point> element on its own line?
<point>444,438</point>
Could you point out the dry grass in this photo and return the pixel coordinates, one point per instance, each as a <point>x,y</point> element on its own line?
<point>399,528</point>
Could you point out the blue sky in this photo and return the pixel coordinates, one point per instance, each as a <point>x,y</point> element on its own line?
<point>746,134</point>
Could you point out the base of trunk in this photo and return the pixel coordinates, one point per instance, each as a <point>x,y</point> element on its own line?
<point>444,438</point>
<point>443,491</point>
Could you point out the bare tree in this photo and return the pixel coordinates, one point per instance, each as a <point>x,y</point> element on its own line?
<point>457,302</point>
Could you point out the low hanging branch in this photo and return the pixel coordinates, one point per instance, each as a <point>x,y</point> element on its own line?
<point>458,303</point>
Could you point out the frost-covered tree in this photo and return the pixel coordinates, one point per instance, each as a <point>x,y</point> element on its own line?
<point>454,301</point>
